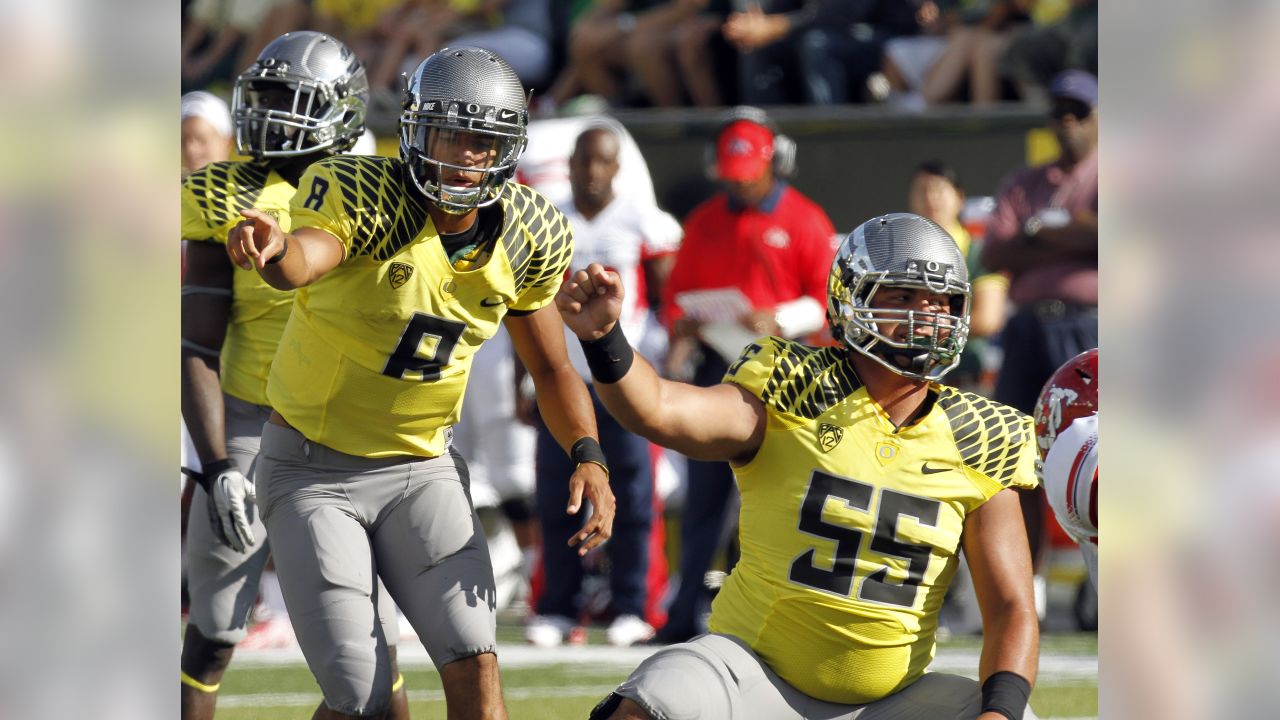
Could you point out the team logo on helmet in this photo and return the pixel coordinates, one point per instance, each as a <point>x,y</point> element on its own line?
<point>1055,400</point>
<point>305,93</point>
<point>399,275</point>
<point>900,250</point>
<point>829,436</point>
<point>1070,394</point>
<point>463,128</point>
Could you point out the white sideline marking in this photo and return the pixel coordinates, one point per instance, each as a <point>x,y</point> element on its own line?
<point>591,659</point>
<point>1053,668</point>
<point>311,699</point>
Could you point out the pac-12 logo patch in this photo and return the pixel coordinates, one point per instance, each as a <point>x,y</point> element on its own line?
<point>829,436</point>
<point>400,274</point>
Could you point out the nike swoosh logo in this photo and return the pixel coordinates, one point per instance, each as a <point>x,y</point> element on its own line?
<point>926,470</point>
<point>494,301</point>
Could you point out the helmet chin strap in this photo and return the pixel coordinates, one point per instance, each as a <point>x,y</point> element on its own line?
<point>912,360</point>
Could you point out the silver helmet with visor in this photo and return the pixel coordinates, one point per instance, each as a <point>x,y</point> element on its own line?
<point>306,93</point>
<point>900,250</point>
<point>463,127</point>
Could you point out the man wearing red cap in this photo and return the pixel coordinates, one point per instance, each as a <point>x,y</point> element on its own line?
<point>762,238</point>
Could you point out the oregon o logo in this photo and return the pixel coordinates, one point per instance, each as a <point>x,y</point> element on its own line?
<point>886,452</point>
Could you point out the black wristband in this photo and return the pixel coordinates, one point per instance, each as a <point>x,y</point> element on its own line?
<point>588,450</point>
<point>280,255</point>
<point>1006,693</point>
<point>609,356</point>
<point>209,471</point>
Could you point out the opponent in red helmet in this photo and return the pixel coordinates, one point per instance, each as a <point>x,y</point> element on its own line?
<point>1067,433</point>
<point>1071,393</point>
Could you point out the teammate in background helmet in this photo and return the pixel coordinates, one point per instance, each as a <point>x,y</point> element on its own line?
<point>861,480</point>
<point>302,100</point>
<point>1066,417</point>
<point>404,267</point>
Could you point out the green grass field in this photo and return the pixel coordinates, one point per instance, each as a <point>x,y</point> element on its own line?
<point>257,688</point>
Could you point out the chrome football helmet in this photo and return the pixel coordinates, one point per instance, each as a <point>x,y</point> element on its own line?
<point>463,101</point>
<point>306,93</point>
<point>900,250</point>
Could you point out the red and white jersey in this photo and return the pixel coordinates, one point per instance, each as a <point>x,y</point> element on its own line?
<point>1071,484</point>
<point>622,237</point>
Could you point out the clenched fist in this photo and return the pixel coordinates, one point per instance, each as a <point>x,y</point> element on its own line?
<point>591,301</point>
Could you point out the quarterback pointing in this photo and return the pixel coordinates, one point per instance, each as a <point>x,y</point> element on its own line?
<point>303,99</point>
<point>861,480</point>
<point>403,268</point>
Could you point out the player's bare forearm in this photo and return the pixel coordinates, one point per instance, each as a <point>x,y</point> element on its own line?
<point>995,542</point>
<point>567,410</point>
<point>202,405</point>
<point>1011,641</point>
<point>563,400</point>
<point>565,405</point>
<point>291,272</point>
<point>286,261</point>
<point>723,422</point>
<point>634,401</point>
<point>206,308</point>
<point>308,255</point>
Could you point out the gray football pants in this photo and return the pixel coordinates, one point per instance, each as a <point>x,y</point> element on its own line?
<point>336,522</point>
<point>718,677</point>
<point>223,583</point>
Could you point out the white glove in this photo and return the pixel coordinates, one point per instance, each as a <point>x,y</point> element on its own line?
<point>229,513</point>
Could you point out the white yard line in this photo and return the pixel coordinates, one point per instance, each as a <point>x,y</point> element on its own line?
<point>1053,667</point>
<point>527,693</point>
<point>309,699</point>
<point>592,659</point>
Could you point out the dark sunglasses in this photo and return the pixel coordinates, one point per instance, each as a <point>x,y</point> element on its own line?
<point>1064,107</point>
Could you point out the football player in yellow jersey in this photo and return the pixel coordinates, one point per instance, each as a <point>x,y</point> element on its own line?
<point>303,99</point>
<point>403,268</point>
<point>861,478</point>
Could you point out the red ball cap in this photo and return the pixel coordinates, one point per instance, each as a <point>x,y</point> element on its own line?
<point>744,151</point>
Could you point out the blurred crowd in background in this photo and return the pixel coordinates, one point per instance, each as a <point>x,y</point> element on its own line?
<point>910,54</point>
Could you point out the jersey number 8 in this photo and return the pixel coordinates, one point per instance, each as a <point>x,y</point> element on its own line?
<point>437,334</point>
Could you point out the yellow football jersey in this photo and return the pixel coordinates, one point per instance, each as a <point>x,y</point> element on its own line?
<point>375,356</point>
<point>849,528</point>
<point>212,199</point>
